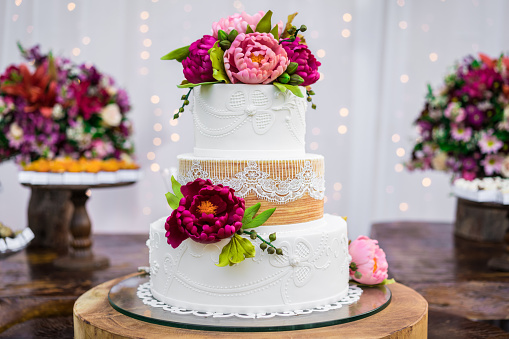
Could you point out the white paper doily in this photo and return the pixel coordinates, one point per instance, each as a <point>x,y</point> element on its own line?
<point>143,292</point>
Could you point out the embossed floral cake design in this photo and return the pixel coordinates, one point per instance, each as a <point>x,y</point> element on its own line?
<point>208,213</point>
<point>245,49</point>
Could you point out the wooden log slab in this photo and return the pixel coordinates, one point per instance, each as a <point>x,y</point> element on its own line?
<point>481,221</point>
<point>405,317</point>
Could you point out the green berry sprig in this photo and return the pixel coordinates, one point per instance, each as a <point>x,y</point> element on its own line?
<point>265,245</point>
<point>185,99</point>
<point>353,267</point>
<point>225,40</point>
<point>293,31</point>
<point>309,99</point>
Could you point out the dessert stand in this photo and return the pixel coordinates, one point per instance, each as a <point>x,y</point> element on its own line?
<point>80,256</point>
<point>114,310</point>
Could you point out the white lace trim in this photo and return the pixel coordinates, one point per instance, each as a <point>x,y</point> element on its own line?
<point>354,294</point>
<point>279,181</point>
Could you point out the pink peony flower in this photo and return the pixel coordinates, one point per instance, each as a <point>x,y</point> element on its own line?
<point>255,58</point>
<point>197,66</point>
<point>239,22</point>
<point>207,213</point>
<point>492,164</point>
<point>489,143</point>
<point>308,65</point>
<point>468,175</point>
<point>369,261</point>
<point>455,112</point>
<point>461,133</point>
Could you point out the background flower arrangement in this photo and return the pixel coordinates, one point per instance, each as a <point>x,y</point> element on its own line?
<point>464,126</point>
<point>62,111</point>
<point>248,49</point>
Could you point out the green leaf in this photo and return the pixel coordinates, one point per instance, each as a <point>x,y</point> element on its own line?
<point>178,54</point>
<point>172,199</point>
<point>250,213</point>
<point>237,249</point>
<point>191,85</point>
<point>260,218</point>
<point>264,24</point>
<point>216,57</point>
<point>294,89</point>
<point>275,32</point>
<point>175,186</point>
<point>289,25</point>
<point>249,29</point>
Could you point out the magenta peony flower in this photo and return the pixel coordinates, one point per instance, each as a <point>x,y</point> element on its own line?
<point>207,213</point>
<point>308,65</point>
<point>255,58</point>
<point>239,22</point>
<point>197,66</point>
<point>369,260</point>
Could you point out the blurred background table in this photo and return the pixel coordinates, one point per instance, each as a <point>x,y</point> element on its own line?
<point>36,300</point>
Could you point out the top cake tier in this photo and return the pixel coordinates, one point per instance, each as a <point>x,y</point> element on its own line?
<point>248,121</point>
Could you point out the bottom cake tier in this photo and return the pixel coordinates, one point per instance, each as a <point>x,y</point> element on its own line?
<point>312,271</point>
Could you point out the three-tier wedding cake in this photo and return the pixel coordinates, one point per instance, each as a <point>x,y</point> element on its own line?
<point>250,82</point>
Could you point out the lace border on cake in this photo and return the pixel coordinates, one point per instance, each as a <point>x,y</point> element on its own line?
<point>144,293</point>
<point>277,181</point>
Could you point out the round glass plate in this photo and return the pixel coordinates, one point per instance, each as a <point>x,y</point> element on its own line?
<point>124,299</point>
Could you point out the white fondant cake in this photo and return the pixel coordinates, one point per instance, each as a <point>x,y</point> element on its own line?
<point>251,138</point>
<point>240,121</point>
<point>312,271</point>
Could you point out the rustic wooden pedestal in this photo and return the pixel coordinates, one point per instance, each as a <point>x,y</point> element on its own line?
<point>481,221</point>
<point>405,317</point>
<point>58,215</point>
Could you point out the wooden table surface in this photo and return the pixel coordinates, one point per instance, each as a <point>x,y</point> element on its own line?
<point>36,300</point>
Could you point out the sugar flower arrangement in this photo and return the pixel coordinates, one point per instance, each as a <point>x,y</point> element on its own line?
<point>245,49</point>
<point>369,264</point>
<point>464,126</point>
<point>208,213</point>
<point>52,109</point>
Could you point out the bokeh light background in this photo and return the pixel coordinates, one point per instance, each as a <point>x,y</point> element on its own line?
<point>377,57</point>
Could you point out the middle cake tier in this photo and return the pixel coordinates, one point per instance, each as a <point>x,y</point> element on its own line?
<point>295,186</point>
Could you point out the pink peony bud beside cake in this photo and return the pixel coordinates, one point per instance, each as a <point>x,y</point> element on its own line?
<point>207,213</point>
<point>255,58</point>
<point>308,65</point>
<point>239,22</point>
<point>369,261</point>
<point>197,66</point>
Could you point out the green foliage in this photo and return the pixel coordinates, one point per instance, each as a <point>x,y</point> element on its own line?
<point>294,89</point>
<point>249,221</point>
<point>275,32</point>
<point>178,54</point>
<point>174,197</point>
<point>264,25</point>
<point>249,29</point>
<point>236,251</point>
<point>187,84</point>
<point>216,57</point>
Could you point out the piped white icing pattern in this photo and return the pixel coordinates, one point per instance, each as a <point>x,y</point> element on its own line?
<point>312,271</point>
<point>279,181</point>
<point>235,121</point>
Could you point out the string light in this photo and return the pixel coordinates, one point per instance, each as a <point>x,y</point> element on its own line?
<point>404,78</point>
<point>433,57</point>
<point>398,168</point>
<point>343,112</point>
<point>403,207</point>
<point>15,17</point>
<point>70,6</point>
<point>151,155</point>
<point>144,15</point>
<point>175,137</point>
<point>401,3</point>
<point>338,186</point>
<point>345,33</point>
<point>156,141</point>
<point>158,127</point>
<point>400,152</point>
<point>313,146</point>
<point>342,129</point>
<point>395,138</point>
<point>320,53</point>
<point>403,25</point>
<point>18,2</point>
<point>85,40</point>
<point>389,189</point>
<point>147,210</point>
<point>76,51</point>
<point>425,28</point>
<point>426,182</point>
<point>143,28</point>
<point>315,131</point>
<point>145,55</point>
<point>188,8</point>
<point>154,99</point>
<point>347,17</point>
<point>30,29</point>
<point>144,71</point>
<point>174,122</point>
<point>336,196</point>
<point>147,42</point>
<point>314,34</point>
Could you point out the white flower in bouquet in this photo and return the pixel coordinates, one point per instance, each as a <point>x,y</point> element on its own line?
<point>77,133</point>
<point>58,112</point>
<point>505,167</point>
<point>15,131</point>
<point>439,162</point>
<point>111,115</point>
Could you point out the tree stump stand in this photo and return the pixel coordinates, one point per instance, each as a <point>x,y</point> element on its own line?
<point>481,221</point>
